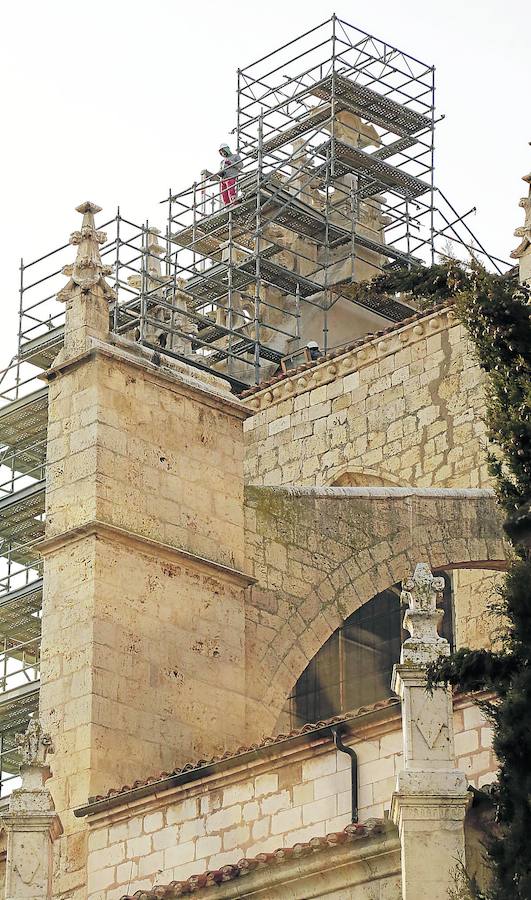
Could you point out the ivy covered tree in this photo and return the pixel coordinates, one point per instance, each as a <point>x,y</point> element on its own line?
<point>496,314</point>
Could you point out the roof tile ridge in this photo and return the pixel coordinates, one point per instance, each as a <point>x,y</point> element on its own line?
<point>351,833</point>
<point>347,348</point>
<point>239,751</point>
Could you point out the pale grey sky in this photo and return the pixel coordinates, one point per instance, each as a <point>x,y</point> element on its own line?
<point>116,100</point>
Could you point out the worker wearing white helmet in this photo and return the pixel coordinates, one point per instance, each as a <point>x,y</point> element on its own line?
<point>231,166</point>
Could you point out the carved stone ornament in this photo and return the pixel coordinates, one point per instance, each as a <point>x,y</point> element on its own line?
<point>34,745</point>
<point>88,271</point>
<point>524,231</point>
<point>422,617</point>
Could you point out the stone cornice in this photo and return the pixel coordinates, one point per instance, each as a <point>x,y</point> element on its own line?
<point>211,392</point>
<point>374,349</point>
<point>139,542</point>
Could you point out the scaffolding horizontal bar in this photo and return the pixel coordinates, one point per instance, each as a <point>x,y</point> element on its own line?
<point>16,707</point>
<point>394,147</point>
<point>386,307</point>
<point>19,619</point>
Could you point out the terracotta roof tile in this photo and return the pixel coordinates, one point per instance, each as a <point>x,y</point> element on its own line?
<point>345,349</point>
<point>233,754</point>
<point>244,867</point>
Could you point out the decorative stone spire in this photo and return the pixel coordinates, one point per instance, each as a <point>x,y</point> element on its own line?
<point>431,794</point>
<point>422,617</point>
<point>31,823</point>
<point>87,294</point>
<point>88,271</point>
<point>523,252</point>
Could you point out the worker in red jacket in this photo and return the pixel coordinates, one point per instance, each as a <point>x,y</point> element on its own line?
<point>231,166</point>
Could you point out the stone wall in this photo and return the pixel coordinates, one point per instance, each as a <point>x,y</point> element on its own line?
<point>143,606</point>
<point>475,590</point>
<point>288,796</point>
<point>406,407</point>
<point>402,409</point>
<point>320,553</point>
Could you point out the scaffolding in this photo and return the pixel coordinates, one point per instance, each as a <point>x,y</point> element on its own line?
<point>335,132</point>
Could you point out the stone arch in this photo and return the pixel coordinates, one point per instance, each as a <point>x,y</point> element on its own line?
<point>348,545</point>
<point>357,476</point>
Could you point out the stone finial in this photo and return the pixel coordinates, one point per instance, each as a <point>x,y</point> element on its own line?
<point>34,745</point>
<point>431,795</point>
<point>422,617</point>
<point>88,271</point>
<point>31,822</point>
<point>524,232</point>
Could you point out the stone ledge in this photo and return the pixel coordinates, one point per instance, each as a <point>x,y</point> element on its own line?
<point>109,532</point>
<point>389,492</point>
<point>211,391</point>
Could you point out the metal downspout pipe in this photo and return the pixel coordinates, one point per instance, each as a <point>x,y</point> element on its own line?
<point>338,741</point>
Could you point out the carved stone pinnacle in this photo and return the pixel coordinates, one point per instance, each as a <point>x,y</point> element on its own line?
<point>422,617</point>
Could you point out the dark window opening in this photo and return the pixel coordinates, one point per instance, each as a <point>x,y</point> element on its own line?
<point>353,668</point>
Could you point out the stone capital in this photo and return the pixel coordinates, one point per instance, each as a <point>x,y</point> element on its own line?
<point>47,823</point>
<point>426,807</point>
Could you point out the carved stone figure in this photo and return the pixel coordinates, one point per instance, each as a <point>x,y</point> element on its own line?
<point>34,744</point>
<point>523,252</point>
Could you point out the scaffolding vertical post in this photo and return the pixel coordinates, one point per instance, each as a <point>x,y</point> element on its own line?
<point>238,141</point>
<point>143,282</point>
<point>432,166</point>
<point>194,223</point>
<point>327,248</point>
<point>117,272</point>
<point>204,211</point>
<point>354,218</point>
<point>408,235</point>
<point>20,316</point>
<point>298,314</point>
<point>257,250</point>
<point>167,277</point>
<point>333,94</point>
<point>229,310</point>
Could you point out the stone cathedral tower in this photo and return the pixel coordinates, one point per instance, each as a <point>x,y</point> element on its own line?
<point>228,700</point>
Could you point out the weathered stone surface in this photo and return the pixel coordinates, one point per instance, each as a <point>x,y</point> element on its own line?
<point>31,823</point>
<point>431,794</point>
<point>319,554</point>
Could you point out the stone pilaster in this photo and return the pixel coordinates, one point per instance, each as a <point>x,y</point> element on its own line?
<point>31,824</point>
<point>143,599</point>
<point>431,796</point>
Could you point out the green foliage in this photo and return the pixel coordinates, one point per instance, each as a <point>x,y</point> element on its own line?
<point>463,887</point>
<point>497,317</point>
<point>427,286</point>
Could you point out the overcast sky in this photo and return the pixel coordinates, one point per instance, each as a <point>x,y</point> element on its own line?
<point>116,100</point>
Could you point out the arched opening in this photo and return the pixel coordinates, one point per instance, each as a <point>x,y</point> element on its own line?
<point>353,667</point>
<point>354,476</point>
